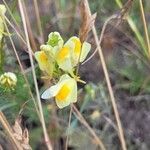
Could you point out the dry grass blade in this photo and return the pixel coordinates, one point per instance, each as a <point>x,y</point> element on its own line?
<point>31,36</point>
<point>101,37</point>
<point>87,21</point>
<point>38,20</point>
<point>145,26</point>
<point>48,143</point>
<point>69,122</point>
<point>125,8</point>
<point>112,97</point>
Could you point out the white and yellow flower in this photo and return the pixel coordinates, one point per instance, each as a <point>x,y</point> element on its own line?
<point>8,80</point>
<point>79,50</point>
<point>63,57</point>
<point>45,61</point>
<point>64,92</point>
<point>68,56</point>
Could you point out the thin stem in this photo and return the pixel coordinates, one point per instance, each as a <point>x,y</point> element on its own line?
<point>31,36</point>
<point>67,138</point>
<point>22,38</point>
<point>38,20</point>
<point>145,26</point>
<point>48,143</point>
<point>12,16</point>
<point>84,122</point>
<point>101,37</point>
<point>120,129</point>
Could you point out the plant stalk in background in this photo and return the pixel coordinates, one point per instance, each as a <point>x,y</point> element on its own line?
<point>48,143</point>
<point>120,129</point>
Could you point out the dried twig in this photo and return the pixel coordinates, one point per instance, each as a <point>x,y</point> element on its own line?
<point>112,97</point>
<point>48,143</point>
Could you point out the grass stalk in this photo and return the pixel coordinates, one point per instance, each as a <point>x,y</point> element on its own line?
<point>101,37</point>
<point>48,143</point>
<point>31,36</point>
<point>38,20</point>
<point>84,122</point>
<point>134,29</point>
<point>112,97</point>
<point>69,122</point>
<point>145,27</point>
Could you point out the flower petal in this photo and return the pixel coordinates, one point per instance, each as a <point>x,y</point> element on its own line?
<point>53,90</point>
<point>85,50</point>
<point>44,62</point>
<point>65,91</point>
<point>67,94</point>
<point>63,57</point>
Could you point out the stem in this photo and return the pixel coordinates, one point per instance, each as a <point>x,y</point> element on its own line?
<point>120,129</point>
<point>67,138</point>
<point>145,26</point>
<point>84,122</point>
<point>38,20</point>
<point>101,37</point>
<point>48,143</point>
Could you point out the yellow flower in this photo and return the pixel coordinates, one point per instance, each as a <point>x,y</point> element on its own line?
<point>64,92</point>
<point>8,80</point>
<point>67,57</point>
<point>63,57</point>
<point>45,61</point>
<point>79,50</point>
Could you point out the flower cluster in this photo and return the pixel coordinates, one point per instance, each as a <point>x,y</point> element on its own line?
<point>66,56</point>
<point>8,80</point>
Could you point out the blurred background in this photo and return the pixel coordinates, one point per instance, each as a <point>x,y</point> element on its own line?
<point>125,49</point>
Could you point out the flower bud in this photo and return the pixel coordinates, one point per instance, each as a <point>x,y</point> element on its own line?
<point>8,80</point>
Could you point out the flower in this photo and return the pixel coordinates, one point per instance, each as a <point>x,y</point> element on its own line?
<point>46,56</point>
<point>45,61</point>
<point>64,55</point>
<point>79,50</point>
<point>68,56</point>
<point>8,80</point>
<point>64,92</point>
